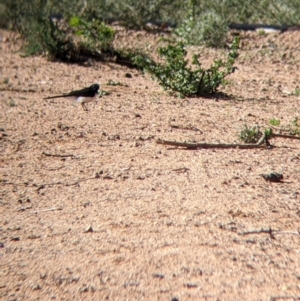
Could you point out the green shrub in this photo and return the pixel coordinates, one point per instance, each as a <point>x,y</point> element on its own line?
<point>274,121</point>
<point>57,39</point>
<point>136,14</point>
<point>177,76</point>
<point>295,127</point>
<point>297,91</point>
<point>207,28</point>
<point>98,36</point>
<point>51,39</point>
<point>250,134</point>
<point>199,21</point>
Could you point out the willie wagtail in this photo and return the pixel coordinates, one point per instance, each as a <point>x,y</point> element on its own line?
<point>81,96</point>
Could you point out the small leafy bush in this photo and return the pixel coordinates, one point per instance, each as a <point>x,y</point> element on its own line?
<point>199,21</point>
<point>274,121</point>
<point>49,38</point>
<point>297,91</point>
<point>57,38</point>
<point>250,134</point>
<point>177,76</point>
<point>98,36</point>
<point>208,28</point>
<point>53,39</point>
<point>295,128</point>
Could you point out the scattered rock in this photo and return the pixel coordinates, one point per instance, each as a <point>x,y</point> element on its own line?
<point>190,285</point>
<point>36,287</point>
<point>89,229</point>
<point>62,127</point>
<point>160,276</point>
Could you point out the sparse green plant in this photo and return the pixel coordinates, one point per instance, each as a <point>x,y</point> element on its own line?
<point>274,122</point>
<point>6,80</point>
<point>134,58</point>
<point>136,14</point>
<point>262,32</point>
<point>98,36</point>
<point>268,133</point>
<point>295,128</point>
<point>250,134</point>
<point>11,103</point>
<point>207,28</point>
<point>297,91</point>
<point>295,131</point>
<point>199,21</point>
<point>178,76</point>
<point>52,39</point>
<point>57,39</point>
<point>295,122</point>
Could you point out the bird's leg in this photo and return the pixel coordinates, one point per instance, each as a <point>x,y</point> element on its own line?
<point>84,107</point>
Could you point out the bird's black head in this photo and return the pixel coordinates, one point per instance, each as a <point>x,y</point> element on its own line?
<point>95,88</point>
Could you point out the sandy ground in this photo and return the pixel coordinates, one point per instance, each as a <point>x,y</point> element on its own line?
<point>92,208</point>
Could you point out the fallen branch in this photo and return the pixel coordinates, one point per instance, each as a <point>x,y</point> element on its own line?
<point>287,232</point>
<point>181,170</point>
<point>268,231</point>
<point>209,145</point>
<point>285,136</point>
<point>284,297</point>
<point>45,210</point>
<point>42,186</point>
<point>56,155</point>
<point>263,142</point>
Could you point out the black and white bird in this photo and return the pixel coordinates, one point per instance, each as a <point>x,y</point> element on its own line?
<point>82,96</point>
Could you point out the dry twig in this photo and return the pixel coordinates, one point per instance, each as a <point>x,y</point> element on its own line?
<point>263,142</point>
<point>208,145</point>
<point>285,136</point>
<point>45,210</point>
<point>57,155</point>
<point>284,297</point>
<point>269,231</point>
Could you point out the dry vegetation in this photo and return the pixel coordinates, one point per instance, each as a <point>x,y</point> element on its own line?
<point>92,208</point>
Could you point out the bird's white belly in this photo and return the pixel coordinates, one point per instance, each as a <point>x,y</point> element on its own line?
<point>84,99</point>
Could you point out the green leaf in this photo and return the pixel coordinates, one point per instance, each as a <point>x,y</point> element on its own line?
<point>75,22</point>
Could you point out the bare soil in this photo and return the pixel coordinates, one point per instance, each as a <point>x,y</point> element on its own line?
<point>92,208</point>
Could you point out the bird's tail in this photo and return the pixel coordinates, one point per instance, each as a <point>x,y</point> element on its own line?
<point>57,96</point>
